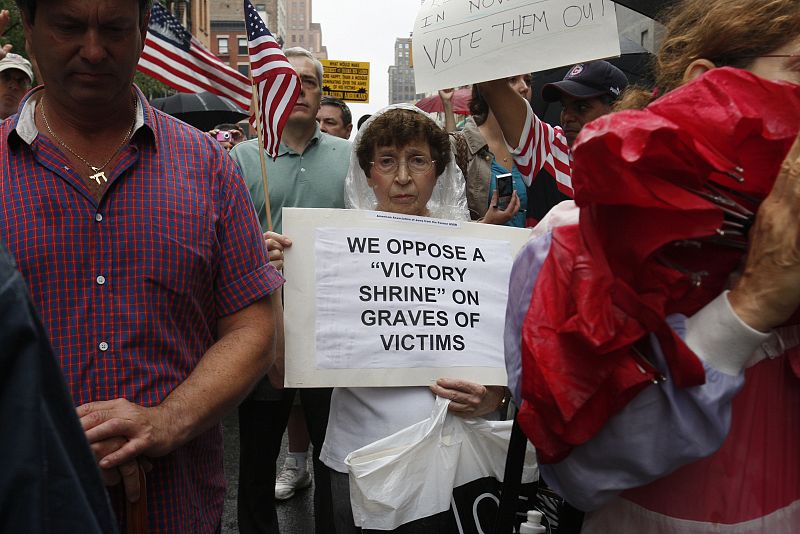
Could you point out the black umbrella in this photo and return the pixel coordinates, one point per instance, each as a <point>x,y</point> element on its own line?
<point>654,9</point>
<point>635,62</point>
<point>650,8</point>
<point>202,110</point>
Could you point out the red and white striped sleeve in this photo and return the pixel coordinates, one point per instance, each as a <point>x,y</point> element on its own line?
<point>542,146</point>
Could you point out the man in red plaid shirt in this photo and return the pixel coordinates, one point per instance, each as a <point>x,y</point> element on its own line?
<point>137,238</point>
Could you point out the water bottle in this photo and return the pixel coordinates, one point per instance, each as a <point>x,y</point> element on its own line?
<point>534,524</point>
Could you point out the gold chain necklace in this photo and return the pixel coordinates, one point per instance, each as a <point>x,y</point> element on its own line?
<point>99,173</point>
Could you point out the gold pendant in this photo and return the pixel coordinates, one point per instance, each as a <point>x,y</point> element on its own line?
<point>98,175</point>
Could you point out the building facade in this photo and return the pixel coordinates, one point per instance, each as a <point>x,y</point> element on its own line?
<point>194,15</point>
<point>401,74</point>
<point>641,30</point>
<point>301,31</point>
<point>228,36</point>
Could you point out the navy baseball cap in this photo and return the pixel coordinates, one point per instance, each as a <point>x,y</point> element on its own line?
<point>588,80</point>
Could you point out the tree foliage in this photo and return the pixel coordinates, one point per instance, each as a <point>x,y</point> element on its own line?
<point>14,33</point>
<point>151,87</point>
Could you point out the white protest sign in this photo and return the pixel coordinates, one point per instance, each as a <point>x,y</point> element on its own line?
<point>380,299</point>
<point>458,42</point>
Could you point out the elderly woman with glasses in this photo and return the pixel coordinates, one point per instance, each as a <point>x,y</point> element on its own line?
<point>401,163</point>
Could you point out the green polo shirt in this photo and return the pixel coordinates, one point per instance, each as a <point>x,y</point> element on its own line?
<point>313,179</point>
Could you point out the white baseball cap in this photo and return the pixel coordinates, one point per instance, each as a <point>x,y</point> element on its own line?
<point>16,61</point>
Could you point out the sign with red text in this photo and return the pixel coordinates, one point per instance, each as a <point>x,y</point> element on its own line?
<point>395,300</point>
<point>458,42</point>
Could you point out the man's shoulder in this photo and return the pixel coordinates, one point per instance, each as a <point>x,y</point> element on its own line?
<point>184,141</point>
<point>336,151</point>
<point>6,127</point>
<point>172,130</point>
<point>251,145</point>
<point>335,142</point>
<point>245,151</point>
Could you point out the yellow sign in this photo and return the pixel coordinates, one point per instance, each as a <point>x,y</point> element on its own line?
<point>348,80</point>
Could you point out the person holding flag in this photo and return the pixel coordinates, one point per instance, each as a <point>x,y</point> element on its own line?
<point>306,168</point>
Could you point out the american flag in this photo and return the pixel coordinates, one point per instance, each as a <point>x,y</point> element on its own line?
<point>174,57</point>
<point>275,79</point>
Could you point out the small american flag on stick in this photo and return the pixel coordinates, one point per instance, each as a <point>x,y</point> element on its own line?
<point>275,81</point>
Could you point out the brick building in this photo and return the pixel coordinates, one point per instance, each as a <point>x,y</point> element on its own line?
<point>301,31</point>
<point>194,15</point>
<point>228,36</point>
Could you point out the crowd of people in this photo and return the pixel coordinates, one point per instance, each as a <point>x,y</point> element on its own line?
<point>651,336</point>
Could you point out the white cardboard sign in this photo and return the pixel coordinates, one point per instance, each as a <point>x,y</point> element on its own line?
<point>458,42</point>
<point>380,299</point>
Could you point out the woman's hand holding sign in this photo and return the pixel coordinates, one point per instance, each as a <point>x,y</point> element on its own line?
<point>468,399</point>
<point>276,243</point>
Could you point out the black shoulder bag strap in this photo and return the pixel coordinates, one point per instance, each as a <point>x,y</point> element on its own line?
<point>512,481</point>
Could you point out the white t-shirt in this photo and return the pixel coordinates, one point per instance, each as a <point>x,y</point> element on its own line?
<point>360,416</point>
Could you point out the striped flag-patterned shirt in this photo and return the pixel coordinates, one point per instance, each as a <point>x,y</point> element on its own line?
<point>276,81</point>
<point>172,56</point>
<point>543,146</point>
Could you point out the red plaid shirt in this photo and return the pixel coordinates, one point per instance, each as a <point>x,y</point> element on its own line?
<point>130,289</point>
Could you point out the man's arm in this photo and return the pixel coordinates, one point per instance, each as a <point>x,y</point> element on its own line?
<point>446,96</point>
<point>534,144</point>
<point>508,106</point>
<point>222,378</point>
<point>277,371</point>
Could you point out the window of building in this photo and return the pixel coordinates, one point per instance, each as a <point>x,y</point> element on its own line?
<point>222,46</point>
<point>242,46</point>
<point>262,12</point>
<point>243,68</point>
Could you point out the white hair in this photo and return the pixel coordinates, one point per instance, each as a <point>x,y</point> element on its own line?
<point>299,51</point>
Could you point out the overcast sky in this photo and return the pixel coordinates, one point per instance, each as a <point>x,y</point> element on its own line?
<point>365,31</point>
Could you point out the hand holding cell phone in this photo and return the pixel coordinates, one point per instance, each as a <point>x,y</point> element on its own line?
<point>505,188</point>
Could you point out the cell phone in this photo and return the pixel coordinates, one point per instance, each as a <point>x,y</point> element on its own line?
<point>505,188</point>
<point>224,136</point>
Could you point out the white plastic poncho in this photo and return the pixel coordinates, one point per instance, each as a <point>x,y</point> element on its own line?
<point>448,199</point>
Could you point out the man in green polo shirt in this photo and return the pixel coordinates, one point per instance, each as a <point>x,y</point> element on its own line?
<point>308,173</point>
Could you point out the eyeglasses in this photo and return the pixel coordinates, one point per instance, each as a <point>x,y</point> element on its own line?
<point>388,165</point>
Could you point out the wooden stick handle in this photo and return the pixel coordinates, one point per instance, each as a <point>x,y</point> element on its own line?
<point>137,511</point>
<point>262,158</point>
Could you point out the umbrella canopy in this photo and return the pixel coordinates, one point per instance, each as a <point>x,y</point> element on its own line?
<point>202,110</point>
<point>461,98</point>
<point>635,62</point>
<point>650,8</point>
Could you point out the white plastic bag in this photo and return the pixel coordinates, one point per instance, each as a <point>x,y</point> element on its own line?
<point>411,474</point>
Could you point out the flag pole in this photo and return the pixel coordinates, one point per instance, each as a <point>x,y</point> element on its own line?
<point>261,155</point>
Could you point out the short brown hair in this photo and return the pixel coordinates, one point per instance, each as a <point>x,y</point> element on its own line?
<point>726,32</point>
<point>399,127</point>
